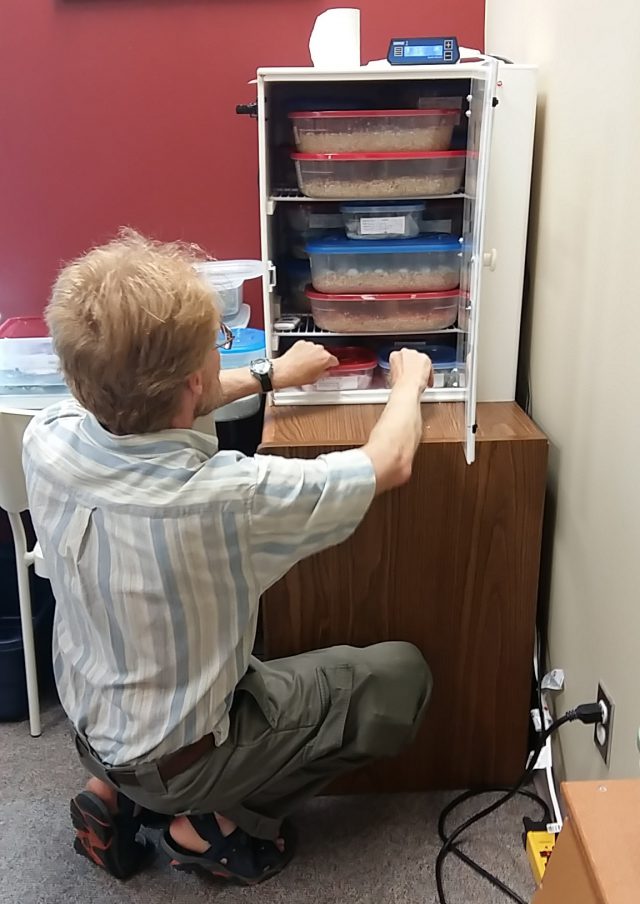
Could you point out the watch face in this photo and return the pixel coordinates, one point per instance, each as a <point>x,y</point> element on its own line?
<point>261,366</point>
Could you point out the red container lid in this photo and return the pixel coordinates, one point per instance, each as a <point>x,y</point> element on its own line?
<point>352,358</point>
<point>311,293</point>
<point>361,114</point>
<point>381,155</point>
<point>24,328</point>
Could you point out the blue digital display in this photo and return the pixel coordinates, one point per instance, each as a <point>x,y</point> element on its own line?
<point>428,51</point>
<point>423,51</point>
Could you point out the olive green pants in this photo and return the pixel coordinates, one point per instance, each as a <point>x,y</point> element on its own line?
<point>296,724</point>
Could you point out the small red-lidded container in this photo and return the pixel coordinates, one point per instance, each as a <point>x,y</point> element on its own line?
<point>354,371</point>
<point>23,328</point>
<point>396,312</point>
<point>380,175</point>
<point>353,131</point>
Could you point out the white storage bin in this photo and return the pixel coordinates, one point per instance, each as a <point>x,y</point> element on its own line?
<point>424,264</point>
<point>351,131</point>
<point>410,174</point>
<point>29,366</point>
<point>387,219</point>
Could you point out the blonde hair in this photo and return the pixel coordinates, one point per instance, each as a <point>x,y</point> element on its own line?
<point>130,321</point>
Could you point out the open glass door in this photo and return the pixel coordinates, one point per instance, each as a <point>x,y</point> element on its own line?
<point>480,115</point>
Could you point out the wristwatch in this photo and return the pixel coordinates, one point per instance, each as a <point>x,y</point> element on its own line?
<point>262,370</point>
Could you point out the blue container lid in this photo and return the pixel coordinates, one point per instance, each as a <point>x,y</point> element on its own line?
<point>421,244</point>
<point>376,206</point>
<point>441,355</point>
<point>245,341</point>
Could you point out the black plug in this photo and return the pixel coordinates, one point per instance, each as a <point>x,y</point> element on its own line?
<point>588,713</point>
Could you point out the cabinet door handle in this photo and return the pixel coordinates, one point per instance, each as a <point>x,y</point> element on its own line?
<point>489,259</point>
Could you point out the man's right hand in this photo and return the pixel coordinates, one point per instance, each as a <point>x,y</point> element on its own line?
<point>409,367</point>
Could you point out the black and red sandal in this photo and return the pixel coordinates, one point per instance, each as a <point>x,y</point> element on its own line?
<point>238,857</point>
<point>109,840</point>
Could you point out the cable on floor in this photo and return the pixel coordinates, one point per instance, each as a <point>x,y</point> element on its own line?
<point>588,714</point>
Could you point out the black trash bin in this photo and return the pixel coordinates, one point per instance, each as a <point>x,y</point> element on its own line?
<point>243,435</point>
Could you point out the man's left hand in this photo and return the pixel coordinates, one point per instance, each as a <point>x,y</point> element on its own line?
<point>305,362</point>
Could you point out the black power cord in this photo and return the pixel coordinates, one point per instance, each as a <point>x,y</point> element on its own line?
<point>469,861</point>
<point>588,714</point>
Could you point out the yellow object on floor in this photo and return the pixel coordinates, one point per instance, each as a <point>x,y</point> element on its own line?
<point>539,847</point>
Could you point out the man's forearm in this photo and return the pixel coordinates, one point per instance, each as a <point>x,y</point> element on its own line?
<point>394,439</point>
<point>237,383</point>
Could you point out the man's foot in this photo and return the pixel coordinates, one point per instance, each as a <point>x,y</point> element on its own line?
<point>216,846</point>
<point>106,830</point>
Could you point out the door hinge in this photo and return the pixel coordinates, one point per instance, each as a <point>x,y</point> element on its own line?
<point>273,279</point>
<point>474,429</point>
<point>494,102</point>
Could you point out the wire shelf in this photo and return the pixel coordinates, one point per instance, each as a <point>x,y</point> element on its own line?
<point>307,327</point>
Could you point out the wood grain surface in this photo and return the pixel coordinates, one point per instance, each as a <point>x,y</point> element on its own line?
<point>450,563</point>
<point>597,857</point>
<point>350,425</point>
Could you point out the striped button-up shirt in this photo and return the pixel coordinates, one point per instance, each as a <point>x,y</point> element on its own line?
<point>158,547</point>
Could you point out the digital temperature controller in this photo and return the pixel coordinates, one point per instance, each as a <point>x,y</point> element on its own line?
<point>423,51</point>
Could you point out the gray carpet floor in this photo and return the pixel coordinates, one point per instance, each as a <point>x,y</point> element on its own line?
<point>353,850</point>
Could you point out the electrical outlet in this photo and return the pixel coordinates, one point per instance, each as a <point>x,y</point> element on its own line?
<point>603,730</point>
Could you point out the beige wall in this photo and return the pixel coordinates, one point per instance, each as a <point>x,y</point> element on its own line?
<point>583,334</point>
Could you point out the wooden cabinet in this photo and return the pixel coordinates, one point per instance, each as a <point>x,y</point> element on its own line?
<point>596,859</point>
<point>449,562</point>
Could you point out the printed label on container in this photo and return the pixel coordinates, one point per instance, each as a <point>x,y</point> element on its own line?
<point>382,225</point>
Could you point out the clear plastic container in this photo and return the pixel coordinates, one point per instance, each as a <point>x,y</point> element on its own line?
<point>28,363</point>
<point>386,219</point>
<point>393,313</point>
<point>448,372</point>
<point>352,131</point>
<point>353,266</point>
<point>226,278</point>
<point>355,370</point>
<point>293,278</point>
<point>410,174</point>
<point>304,217</point>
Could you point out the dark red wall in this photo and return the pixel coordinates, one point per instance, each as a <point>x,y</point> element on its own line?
<point>122,112</point>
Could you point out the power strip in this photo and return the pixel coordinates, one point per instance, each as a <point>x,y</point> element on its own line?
<point>539,848</point>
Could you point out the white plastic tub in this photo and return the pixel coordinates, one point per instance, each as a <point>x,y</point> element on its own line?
<point>29,365</point>
<point>410,174</point>
<point>226,278</point>
<point>355,370</point>
<point>394,313</point>
<point>387,219</point>
<point>352,266</point>
<point>352,131</point>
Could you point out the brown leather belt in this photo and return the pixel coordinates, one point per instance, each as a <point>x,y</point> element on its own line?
<point>172,764</point>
